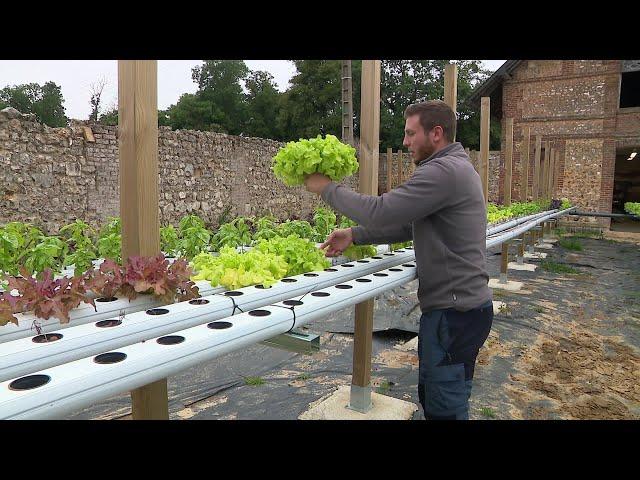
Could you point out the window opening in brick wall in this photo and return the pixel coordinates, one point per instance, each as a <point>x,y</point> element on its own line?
<point>630,90</point>
<point>626,187</point>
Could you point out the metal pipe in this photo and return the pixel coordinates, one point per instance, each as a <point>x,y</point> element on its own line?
<point>605,214</point>
<point>518,221</point>
<point>25,355</point>
<point>62,389</point>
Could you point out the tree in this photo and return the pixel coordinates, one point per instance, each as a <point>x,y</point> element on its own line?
<point>263,103</point>
<point>313,103</point>
<point>96,94</point>
<point>45,102</point>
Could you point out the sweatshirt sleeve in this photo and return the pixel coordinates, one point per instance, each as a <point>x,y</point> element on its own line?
<point>430,188</point>
<point>389,234</point>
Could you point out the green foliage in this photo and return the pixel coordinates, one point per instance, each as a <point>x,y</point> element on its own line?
<point>324,221</point>
<point>397,246</point>
<point>358,252</point>
<point>235,270</point>
<point>194,236</point>
<point>346,222</point>
<point>301,228</point>
<point>233,234</point>
<point>16,241</point>
<point>44,101</point>
<point>254,381</point>
<point>110,246</point>
<point>47,254</point>
<point>169,240</point>
<point>265,228</point>
<point>554,267</point>
<point>570,244</point>
<point>565,203</point>
<point>263,103</point>
<point>487,412</point>
<point>324,155</point>
<point>499,213</point>
<point>632,207</point>
<point>300,254</point>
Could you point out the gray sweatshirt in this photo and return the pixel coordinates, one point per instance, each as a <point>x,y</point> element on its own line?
<point>442,209</point>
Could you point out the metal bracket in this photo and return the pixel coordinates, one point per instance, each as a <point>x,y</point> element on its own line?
<point>295,341</point>
<point>360,399</point>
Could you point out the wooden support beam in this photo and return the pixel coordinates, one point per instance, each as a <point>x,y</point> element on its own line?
<point>485,111</point>
<point>545,171</point>
<point>556,175</point>
<point>536,169</point>
<point>139,197</point>
<point>400,168</point>
<point>389,168</point>
<point>504,262</point>
<point>508,161</point>
<point>369,145</point>
<point>524,161</point>
<point>552,164</point>
<point>451,87</point>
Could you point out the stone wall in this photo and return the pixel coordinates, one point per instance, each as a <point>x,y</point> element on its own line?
<point>52,176</point>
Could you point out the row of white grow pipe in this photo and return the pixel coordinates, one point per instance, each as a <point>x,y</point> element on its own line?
<point>59,390</point>
<point>519,230</point>
<point>493,229</point>
<point>29,354</point>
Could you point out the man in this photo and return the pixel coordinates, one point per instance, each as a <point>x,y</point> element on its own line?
<point>442,209</point>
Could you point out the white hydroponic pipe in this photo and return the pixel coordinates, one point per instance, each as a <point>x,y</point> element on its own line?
<point>59,390</point>
<point>517,221</point>
<point>25,355</point>
<point>504,237</point>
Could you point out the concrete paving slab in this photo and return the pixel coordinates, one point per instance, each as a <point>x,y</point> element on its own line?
<point>497,306</point>
<point>335,408</point>
<point>529,267</point>
<point>550,239</point>
<point>535,255</point>
<point>509,286</point>
<point>546,246</point>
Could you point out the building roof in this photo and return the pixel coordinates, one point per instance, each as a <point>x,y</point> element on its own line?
<point>492,87</point>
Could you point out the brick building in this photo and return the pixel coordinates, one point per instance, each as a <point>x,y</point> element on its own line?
<point>588,111</point>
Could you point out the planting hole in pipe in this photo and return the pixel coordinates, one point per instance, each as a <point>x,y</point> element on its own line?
<point>157,311</point>
<point>380,274</point>
<point>293,303</point>
<point>400,251</point>
<point>198,301</point>
<point>330,269</point>
<point>106,299</point>
<point>262,287</point>
<point>377,258</point>
<point>170,340</point>
<point>363,280</point>
<point>219,325</point>
<point>108,323</point>
<point>363,261</point>
<point>389,254</point>
<point>111,357</point>
<point>320,294</point>
<point>233,293</point>
<point>288,280</point>
<point>395,269</point>
<point>347,265</point>
<point>310,274</point>
<point>259,313</point>
<point>409,248</point>
<point>46,338</point>
<point>29,382</point>
<point>408,265</point>
<point>344,287</point>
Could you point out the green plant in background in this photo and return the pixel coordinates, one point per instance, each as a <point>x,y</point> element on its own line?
<point>300,254</point>
<point>487,412</point>
<point>358,252</point>
<point>254,381</point>
<point>632,207</point>
<point>169,240</point>
<point>82,256</point>
<point>400,245</point>
<point>16,241</point>
<point>265,228</point>
<point>570,244</point>
<point>49,253</point>
<point>565,203</point>
<point>110,246</point>
<point>346,222</point>
<point>233,234</point>
<point>190,221</point>
<point>328,156</point>
<point>554,267</point>
<point>194,240</point>
<point>113,225</point>
<point>324,221</point>
<point>301,228</point>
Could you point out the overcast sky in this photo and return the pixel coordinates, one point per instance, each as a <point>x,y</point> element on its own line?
<point>75,78</point>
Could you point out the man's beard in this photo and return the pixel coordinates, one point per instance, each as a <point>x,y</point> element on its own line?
<point>428,151</point>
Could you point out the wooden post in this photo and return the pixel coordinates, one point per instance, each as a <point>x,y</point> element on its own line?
<point>523,239</point>
<point>347,103</point>
<point>536,169</point>
<point>552,158</point>
<point>485,111</point>
<point>524,160</point>
<point>400,169</point>
<point>139,198</point>
<point>504,262</point>
<point>556,175</point>
<point>508,161</point>
<point>545,171</point>
<point>360,397</point>
<point>451,87</point>
<point>389,168</point>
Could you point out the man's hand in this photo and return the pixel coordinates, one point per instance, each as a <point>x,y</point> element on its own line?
<point>338,242</point>
<point>316,182</point>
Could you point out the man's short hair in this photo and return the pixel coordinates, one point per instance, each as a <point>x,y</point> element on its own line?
<point>433,113</point>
